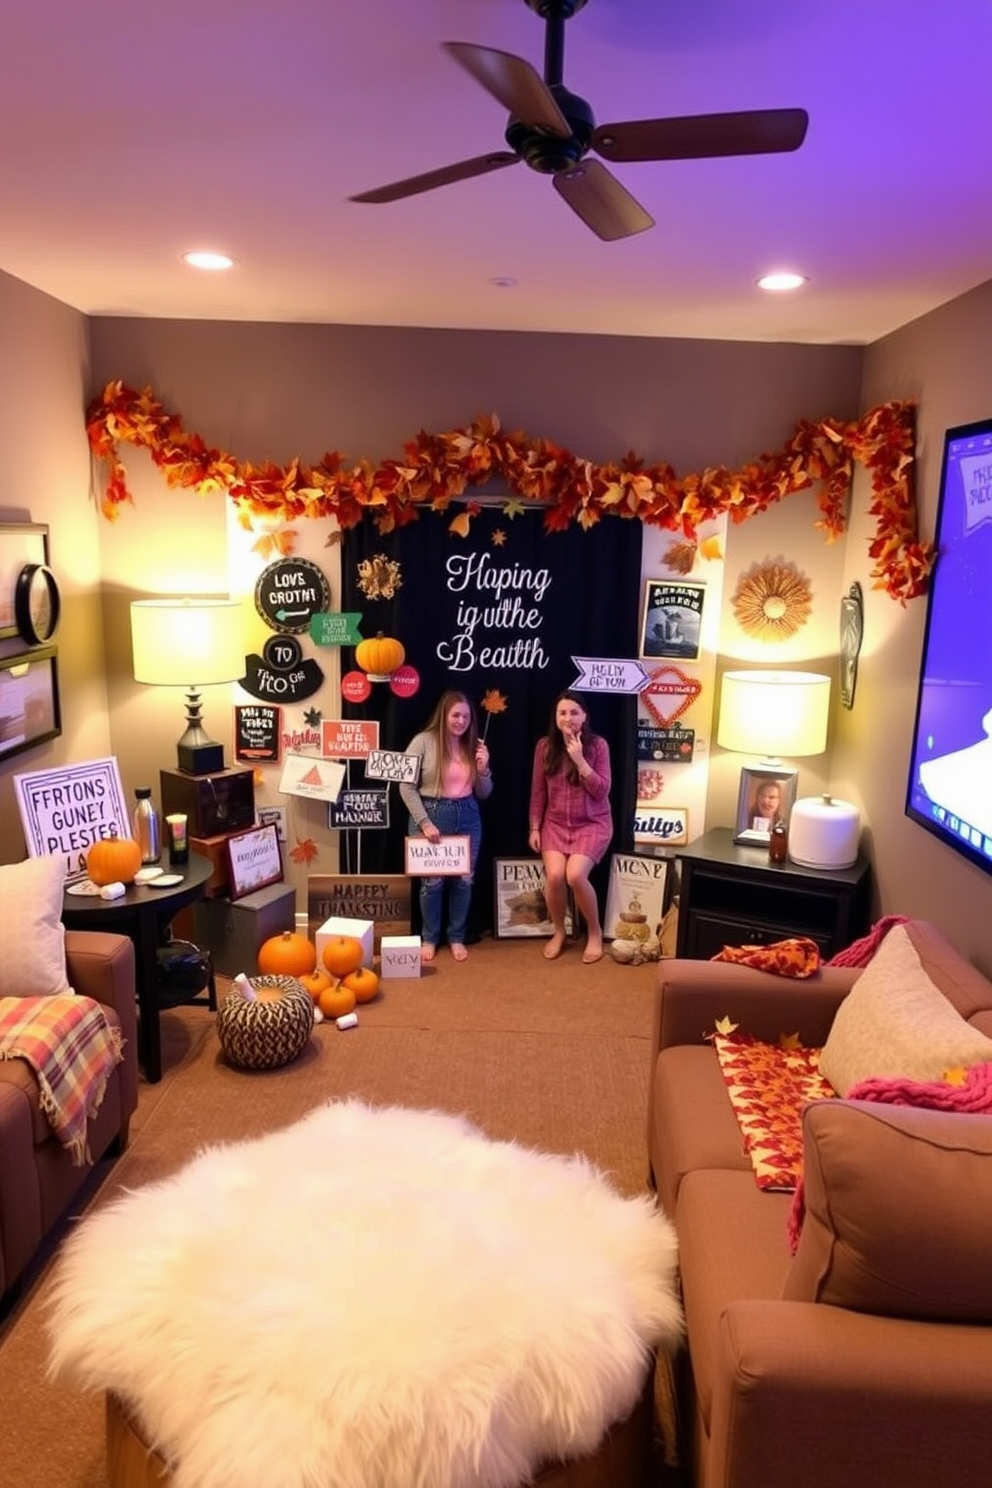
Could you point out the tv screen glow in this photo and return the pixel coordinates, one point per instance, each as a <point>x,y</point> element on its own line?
<point>950,776</point>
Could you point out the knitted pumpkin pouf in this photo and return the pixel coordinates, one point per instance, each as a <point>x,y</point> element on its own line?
<point>269,1030</point>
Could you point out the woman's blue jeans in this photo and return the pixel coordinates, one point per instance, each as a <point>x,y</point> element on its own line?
<point>453,818</point>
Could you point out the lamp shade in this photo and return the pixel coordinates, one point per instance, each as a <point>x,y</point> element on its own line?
<point>774,713</point>
<point>187,642</point>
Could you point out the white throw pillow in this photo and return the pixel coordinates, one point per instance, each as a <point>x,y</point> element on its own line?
<point>895,1024</point>
<point>32,937</point>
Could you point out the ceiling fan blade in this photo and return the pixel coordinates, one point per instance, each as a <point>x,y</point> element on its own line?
<point>514,83</point>
<point>702,136</point>
<point>602,203</point>
<point>463,171</point>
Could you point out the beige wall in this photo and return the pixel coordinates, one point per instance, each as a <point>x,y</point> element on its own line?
<point>45,477</point>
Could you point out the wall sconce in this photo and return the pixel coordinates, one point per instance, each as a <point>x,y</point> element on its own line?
<point>189,643</point>
<point>771,714</point>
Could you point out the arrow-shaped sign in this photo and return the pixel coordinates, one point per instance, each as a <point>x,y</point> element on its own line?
<point>335,628</point>
<point>599,675</point>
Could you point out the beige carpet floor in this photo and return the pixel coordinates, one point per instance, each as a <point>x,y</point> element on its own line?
<point>553,1055</point>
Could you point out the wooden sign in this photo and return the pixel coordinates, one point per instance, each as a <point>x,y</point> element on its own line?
<point>347,738</point>
<point>256,733</point>
<point>385,901</point>
<point>449,856</point>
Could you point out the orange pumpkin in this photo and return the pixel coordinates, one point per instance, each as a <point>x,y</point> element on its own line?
<point>341,954</point>
<point>363,982</point>
<point>287,954</point>
<point>336,1000</point>
<point>379,657</point>
<point>316,981</point>
<point>113,860</point>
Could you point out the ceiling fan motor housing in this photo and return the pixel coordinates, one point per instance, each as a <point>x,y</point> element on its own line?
<point>550,153</point>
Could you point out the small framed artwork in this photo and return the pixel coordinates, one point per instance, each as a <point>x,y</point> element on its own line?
<point>671,620</point>
<point>520,908</point>
<point>29,700</point>
<point>254,860</point>
<point>765,795</point>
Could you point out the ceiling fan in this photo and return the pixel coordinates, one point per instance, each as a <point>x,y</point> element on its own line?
<point>553,131</point>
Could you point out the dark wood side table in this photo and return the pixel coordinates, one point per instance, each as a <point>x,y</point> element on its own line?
<point>143,915</point>
<point>731,895</point>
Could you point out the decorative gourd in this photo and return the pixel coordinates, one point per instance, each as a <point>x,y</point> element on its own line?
<point>379,657</point>
<point>113,860</point>
<point>627,952</point>
<point>336,1000</point>
<point>341,954</point>
<point>287,954</point>
<point>363,982</point>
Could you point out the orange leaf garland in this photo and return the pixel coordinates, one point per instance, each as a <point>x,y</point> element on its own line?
<point>437,468</point>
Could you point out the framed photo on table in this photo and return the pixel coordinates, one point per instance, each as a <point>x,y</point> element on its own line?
<point>254,860</point>
<point>765,794</point>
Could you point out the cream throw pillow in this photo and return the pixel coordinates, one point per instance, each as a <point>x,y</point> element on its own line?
<point>894,1023</point>
<point>32,937</point>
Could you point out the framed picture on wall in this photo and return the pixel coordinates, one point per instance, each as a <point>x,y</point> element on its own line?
<point>764,795</point>
<point>29,700</point>
<point>671,620</point>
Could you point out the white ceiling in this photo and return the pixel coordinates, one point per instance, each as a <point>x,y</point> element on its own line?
<point>130,133</point>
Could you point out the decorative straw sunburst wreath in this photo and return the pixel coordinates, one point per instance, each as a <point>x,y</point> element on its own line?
<point>437,468</point>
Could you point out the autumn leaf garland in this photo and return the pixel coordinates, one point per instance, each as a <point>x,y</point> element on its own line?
<point>435,469</point>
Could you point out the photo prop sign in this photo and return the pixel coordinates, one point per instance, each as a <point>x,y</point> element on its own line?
<point>336,628</point>
<point>359,809</point>
<point>450,855</point>
<point>318,779</point>
<point>348,738</point>
<point>600,675</point>
<point>65,810</point>
<point>387,764</point>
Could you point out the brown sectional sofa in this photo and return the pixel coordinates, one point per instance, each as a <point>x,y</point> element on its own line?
<point>867,1357</point>
<point>37,1177</point>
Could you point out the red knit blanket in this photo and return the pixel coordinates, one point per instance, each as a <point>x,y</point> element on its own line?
<point>72,1049</point>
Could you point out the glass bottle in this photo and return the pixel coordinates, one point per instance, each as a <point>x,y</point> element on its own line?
<point>778,841</point>
<point>145,827</point>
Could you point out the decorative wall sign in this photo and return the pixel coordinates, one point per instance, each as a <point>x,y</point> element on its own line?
<point>289,593</point>
<point>254,860</point>
<point>666,826</point>
<point>608,676</point>
<point>669,694</point>
<point>673,746</point>
<point>671,619</point>
<point>256,733</point>
<point>448,857</point>
<point>29,700</point>
<point>348,738</point>
<point>361,809</point>
<point>291,686</point>
<point>336,628</point>
<point>305,775</point>
<point>66,809</point>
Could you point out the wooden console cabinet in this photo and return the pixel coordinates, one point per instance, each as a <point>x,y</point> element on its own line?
<point>732,895</point>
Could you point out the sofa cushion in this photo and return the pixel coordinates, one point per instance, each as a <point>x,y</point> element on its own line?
<point>692,1121</point>
<point>897,1212</point>
<point>896,1022</point>
<point>31,931</point>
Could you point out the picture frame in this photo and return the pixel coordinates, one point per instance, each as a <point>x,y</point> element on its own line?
<point>635,897</point>
<point>754,822</point>
<point>30,709</point>
<point>254,860</point>
<point>671,620</point>
<point>520,909</point>
<point>23,545</point>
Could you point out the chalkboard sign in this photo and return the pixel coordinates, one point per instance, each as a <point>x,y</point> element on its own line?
<point>359,808</point>
<point>256,732</point>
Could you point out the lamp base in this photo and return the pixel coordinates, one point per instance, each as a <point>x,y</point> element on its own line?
<point>200,759</point>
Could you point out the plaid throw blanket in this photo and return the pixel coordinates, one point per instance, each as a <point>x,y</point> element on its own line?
<point>72,1049</point>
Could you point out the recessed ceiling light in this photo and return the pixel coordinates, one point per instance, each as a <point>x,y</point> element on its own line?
<point>204,260</point>
<point>781,280</point>
<point>503,281</point>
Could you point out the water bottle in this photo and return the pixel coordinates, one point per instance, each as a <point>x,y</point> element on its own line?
<point>144,826</point>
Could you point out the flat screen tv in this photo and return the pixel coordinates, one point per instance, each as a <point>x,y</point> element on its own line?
<point>950,776</point>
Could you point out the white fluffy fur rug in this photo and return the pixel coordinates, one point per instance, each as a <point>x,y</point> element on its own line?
<point>371,1298</point>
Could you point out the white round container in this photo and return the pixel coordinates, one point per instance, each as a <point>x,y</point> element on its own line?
<point>823,833</point>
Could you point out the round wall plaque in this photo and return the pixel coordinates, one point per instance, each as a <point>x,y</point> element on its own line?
<point>37,603</point>
<point>288,593</point>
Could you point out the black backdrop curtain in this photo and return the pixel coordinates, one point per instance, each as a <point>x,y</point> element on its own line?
<point>504,609</point>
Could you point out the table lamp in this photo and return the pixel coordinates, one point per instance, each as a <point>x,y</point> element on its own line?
<point>189,643</point>
<point>772,714</point>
